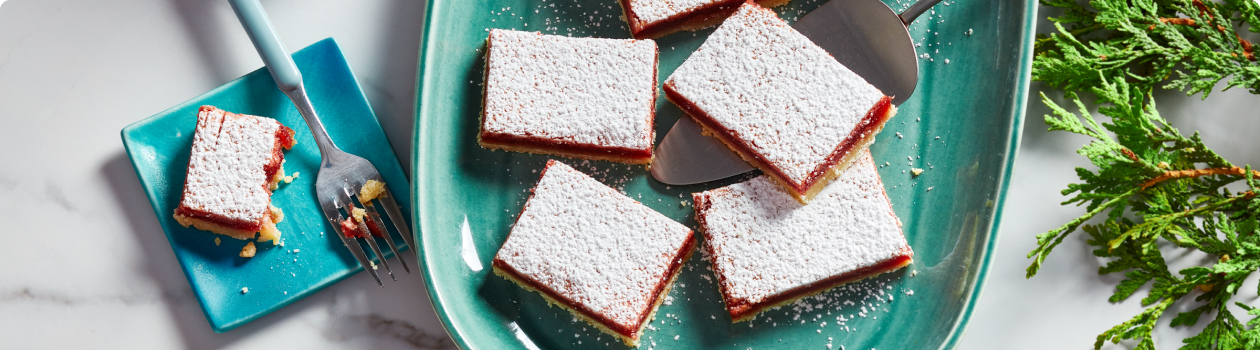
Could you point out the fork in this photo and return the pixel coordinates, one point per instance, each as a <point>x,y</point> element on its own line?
<point>341,175</point>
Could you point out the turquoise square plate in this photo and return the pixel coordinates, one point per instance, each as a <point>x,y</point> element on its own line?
<point>311,258</point>
<point>971,95</point>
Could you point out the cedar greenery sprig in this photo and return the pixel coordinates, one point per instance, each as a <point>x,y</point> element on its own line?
<point>1147,41</point>
<point>1155,187</point>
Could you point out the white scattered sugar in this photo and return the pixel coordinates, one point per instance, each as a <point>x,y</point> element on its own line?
<point>593,245</point>
<point>770,86</point>
<point>763,242</point>
<point>244,290</point>
<point>226,174</point>
<point>588,91</point>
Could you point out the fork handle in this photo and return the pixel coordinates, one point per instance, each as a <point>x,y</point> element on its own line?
<point>281,66</point>
<point>268,44</point>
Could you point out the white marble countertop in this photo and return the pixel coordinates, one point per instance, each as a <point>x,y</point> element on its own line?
<point>86,264</point>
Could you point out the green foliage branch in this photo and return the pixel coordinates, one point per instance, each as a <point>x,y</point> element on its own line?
<point>1155,187</point>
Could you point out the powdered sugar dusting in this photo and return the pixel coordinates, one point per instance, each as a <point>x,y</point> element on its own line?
<point>650,11</point>
<point>225,168</point>
<point>588,91</point>
<point>764,242</point>
<point>593,245</point>
<point>786,97</point>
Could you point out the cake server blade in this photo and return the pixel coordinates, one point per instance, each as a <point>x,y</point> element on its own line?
<point>866,36</point>
<point>687,157</point>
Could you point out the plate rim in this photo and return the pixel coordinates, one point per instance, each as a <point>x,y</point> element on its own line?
<point>1017,115</point>
<point>1012,151</point>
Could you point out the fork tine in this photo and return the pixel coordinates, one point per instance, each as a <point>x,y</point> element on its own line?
<point>362,227</point>
<point>353,246</point>
<point>396,216</point>
<point>343,202</point>
<point>376,219</point>
<point>371,241</point>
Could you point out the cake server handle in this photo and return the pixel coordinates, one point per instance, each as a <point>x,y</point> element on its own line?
<point>915,10</point>
<point>281,66</point>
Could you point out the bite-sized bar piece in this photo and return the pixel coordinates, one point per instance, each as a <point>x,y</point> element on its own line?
<point>350,228</point>
<point>235,163</point>
<point>371,189</point>
<point>780,101</point>
<point>585,98</point>
<point>595,252</point>
<point>768,250</point>
<point>359,218</point>
<point>651,19</point>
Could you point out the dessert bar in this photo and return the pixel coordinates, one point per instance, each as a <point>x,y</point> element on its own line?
<point>595,252</point>
<point>778,100</point>
<point>235,163</point>
<point>585,98</point>
<point>769,250</point>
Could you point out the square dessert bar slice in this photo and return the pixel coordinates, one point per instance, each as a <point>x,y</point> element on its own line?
<point>595,252</point>
<point>585,98</point>
<point>235,163</point>
<point>768,250</point>
<point>650,19</point>
<point>780,101</point>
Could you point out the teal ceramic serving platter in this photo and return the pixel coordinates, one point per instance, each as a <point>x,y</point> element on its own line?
<point>961,126</point>
<point>311,258</point>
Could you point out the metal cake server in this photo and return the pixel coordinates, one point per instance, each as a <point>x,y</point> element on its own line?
<point>864,35</point>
